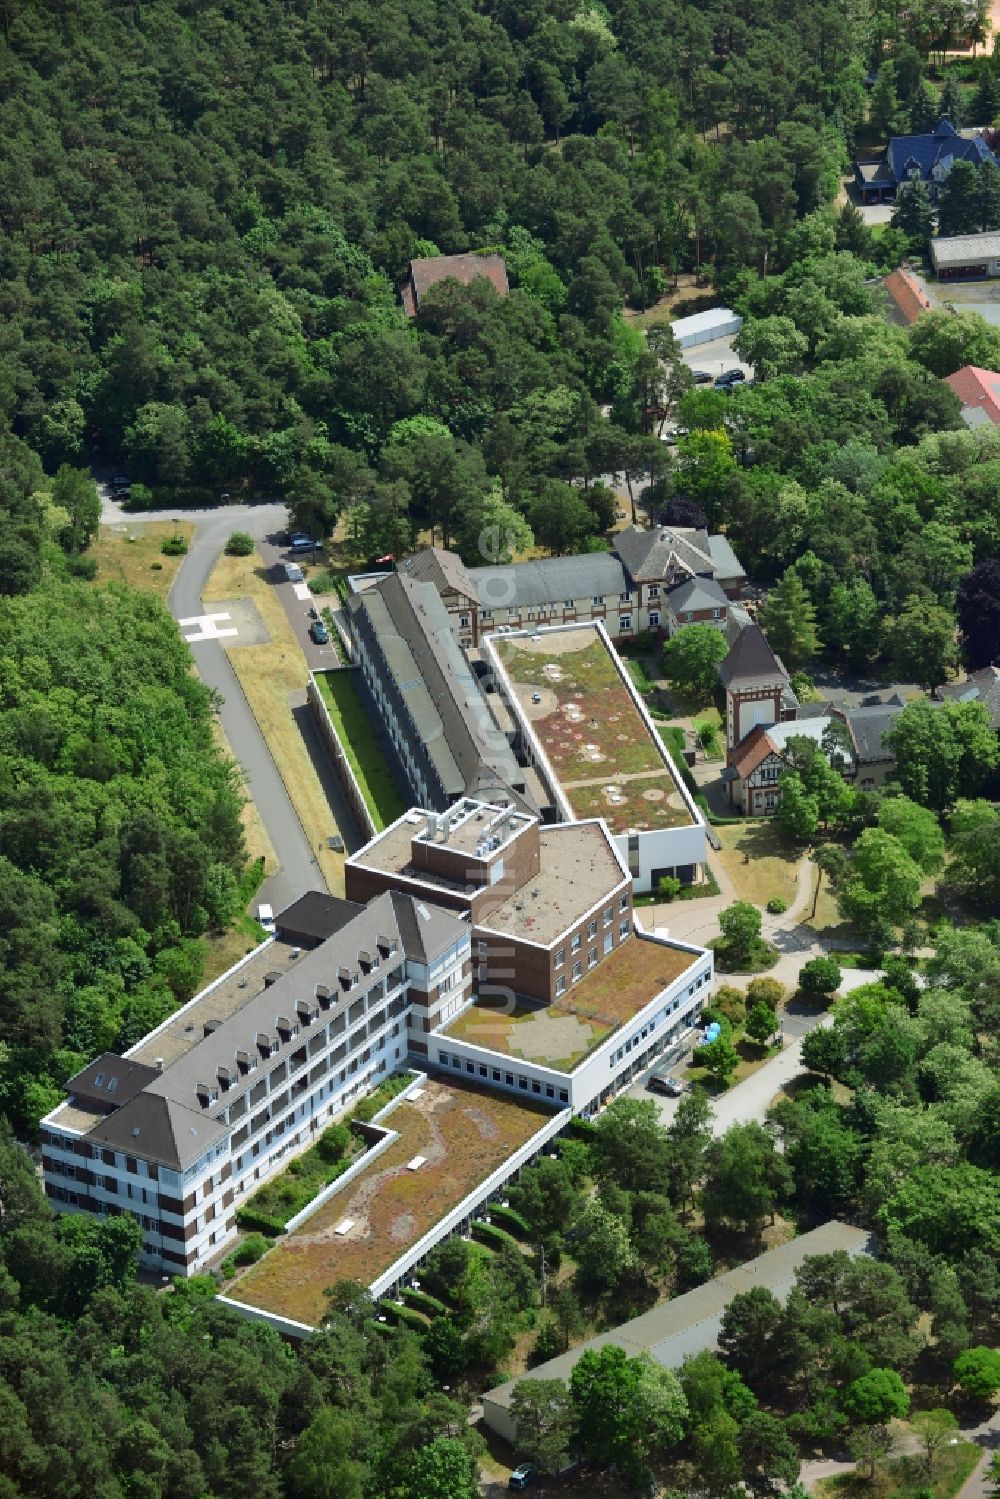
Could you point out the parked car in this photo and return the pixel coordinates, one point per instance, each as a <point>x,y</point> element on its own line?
<point>701,377</point>
<point>523,1475</point>
<point>294,573</point>
<point>299,542</point>
<point>729,378</point>
<point>265,915</point>
<point>662,1082</point>
<point>319,632</point>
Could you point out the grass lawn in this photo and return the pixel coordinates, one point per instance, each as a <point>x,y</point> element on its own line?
<point>361,744</point>
<point>760,863</point>
<point>129,553</point>
<point>905,1477</point>
<point>269,674</point>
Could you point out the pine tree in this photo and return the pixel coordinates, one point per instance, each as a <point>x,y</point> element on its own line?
<point>887,113</point>
<point>986,102</point>
<point>913,212</point>
<point>958,207</point>
<point>789,621</point>
<point>989,196</point>
<point>852,233</point>
<point>952,104</point>
<point>924,111</point>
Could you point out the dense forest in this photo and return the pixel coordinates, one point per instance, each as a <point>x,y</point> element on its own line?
<point>207,211</point>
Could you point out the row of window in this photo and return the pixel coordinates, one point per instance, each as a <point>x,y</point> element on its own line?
<point>510,1079</point>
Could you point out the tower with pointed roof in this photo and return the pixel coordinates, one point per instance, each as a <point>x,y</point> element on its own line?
<point>758,690</point>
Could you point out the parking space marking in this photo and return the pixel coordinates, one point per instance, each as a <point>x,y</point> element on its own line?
<point>206,627</point>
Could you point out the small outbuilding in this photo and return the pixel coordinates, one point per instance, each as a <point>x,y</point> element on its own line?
<point>966,257</point>
<point>703,327</point>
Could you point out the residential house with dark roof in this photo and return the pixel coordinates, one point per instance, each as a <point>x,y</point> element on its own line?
<point>981,686</point>
<point>465,269</point>
<point>428,695</point>
<point>919,158</point>
<point>699,601</point>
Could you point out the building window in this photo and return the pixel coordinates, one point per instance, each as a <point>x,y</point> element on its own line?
<point>577,971</point>
<point>598,603</point>
<point>654,618</point>
<point>623,930</point>
<point>522,1082</point>
<point>486,613</point>
<point>592,929</point>
<point>561,984</point>
<point>609,942</point>
<point>625,622</point>
<point>592,958</point>
<point>463,621</point>
<point>609,915</point>
<point>577,943</point>
<point>654,590</point>
<point>509,1079</point>
<point>568,604</point>
<point>560,957</point>
<point>623,598</point>
<point>563,1096</point>
<point>623,902</point>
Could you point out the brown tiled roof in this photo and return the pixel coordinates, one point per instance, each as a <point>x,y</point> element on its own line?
<point>753,751</point>
<point>751,659</point>
<point>464,268</point>
<point>907,295</point>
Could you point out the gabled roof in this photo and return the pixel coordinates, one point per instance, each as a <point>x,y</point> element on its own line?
<point>316,915</point>
<point>867,726</point>
<point>753,751</point>
<point>751,661</point>
<point>940,148</point>
<point>159,1129</point>
<point>697,593</point>
<point>444,569</point>
<point>728,567</point>
<point>549,580</point>
<point>964,249</point>
<point>977,389</point>
<point>110,1081</point>
<point>982,686</point>
<point>661,552</point>
<point>426,930</point>
<point>907,295</point>
<point>464,268</point>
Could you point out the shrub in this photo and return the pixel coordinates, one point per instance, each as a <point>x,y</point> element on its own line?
<point>776,906</point>
<point>140,497</point>
<point>404,1315</point>
<point>254,1220</point>
<point>730,1004</point>
<point>174,546</point>
<point>332,1144</point>
<point>83,567</point>
<point>549,1341</point>
<point>156,567</point>
<point>492,1236</point>
<point>510,1219</point>
<point>668,887</point>
<point>820,977</point>
<point>763,991</point>
<point>253,1248</point>
<point>240,544</point>
<point>423,1302</point>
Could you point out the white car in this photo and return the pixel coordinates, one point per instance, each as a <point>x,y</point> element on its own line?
<point>265,915</point>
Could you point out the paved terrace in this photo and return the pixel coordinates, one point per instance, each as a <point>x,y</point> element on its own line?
<point>563,1033</point>
<point>463,1133</point>
<point>607,761</point>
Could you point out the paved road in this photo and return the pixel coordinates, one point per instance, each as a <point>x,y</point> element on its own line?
<point>298,871</point>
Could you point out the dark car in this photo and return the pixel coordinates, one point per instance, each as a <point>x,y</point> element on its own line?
<point>662,1082</point>
<point>701,377</point>
<point>319,632</point>
<point>522,1476</point>
<point>729,378</point>
<point>299,542</point>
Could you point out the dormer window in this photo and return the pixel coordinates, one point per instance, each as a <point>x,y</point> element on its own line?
<point>99,1080</point>
<point>112,1084</point>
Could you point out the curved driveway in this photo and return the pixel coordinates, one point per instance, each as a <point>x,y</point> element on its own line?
<point>298,870</point>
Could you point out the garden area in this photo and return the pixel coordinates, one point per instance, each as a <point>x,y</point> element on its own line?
<point>361,745</point>
<point>455,1133</point>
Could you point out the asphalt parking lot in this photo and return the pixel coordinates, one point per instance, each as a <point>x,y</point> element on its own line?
<point>715,358</point>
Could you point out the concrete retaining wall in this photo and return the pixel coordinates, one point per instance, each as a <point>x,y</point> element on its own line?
<point>338,756</point>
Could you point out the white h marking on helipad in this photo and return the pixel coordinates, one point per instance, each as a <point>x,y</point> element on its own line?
<point>206,627</point>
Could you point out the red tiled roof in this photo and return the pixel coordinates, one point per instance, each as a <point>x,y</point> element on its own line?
<point>978,388</point>
<point>752,751</point>
<point>464,268</point>
<point>907,294</point>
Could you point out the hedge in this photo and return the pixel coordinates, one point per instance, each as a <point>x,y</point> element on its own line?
<point>422,1301</point>
<point>511,1219</point>
<point>488,1233</point>
<point>404,1315</point>
<point>583,1129</point>
<point>254,1221</point>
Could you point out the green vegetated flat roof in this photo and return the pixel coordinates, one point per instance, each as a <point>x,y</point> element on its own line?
<point>364,753</point>
<point>464,1134</point>
<point>562,1034</point>
<point>597,742</point>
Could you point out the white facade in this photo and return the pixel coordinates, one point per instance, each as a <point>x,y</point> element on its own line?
<point>612,1064</point>
<point>703,327</point>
